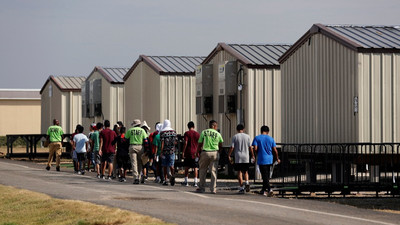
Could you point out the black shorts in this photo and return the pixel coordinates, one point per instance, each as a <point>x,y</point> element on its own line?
<point>97,158</point>
<point>81,156</point>
<point>190,163</point>
<point>107,157</point>
<point>241,167</point>
<point>124,162</point>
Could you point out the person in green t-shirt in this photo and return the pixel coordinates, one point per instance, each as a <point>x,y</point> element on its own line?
<point>55,135</point>
<point>95,145</point>
<point>210,143</point>
<point>136,135</point>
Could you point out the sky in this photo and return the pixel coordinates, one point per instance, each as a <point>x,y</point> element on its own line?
<point>70,37</point>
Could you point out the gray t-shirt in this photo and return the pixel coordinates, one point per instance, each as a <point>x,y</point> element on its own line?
<point>241,143</point>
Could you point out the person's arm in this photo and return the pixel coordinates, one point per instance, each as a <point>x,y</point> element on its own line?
<point>184,148</point>
<point>100,145</point>
<point>229,155</point>
<point>252,153</point>
<point>73,143</point>
<point>199,147</point>
<point>276,154</point>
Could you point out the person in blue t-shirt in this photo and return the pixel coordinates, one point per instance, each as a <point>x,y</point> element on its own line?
<point>264,145</point>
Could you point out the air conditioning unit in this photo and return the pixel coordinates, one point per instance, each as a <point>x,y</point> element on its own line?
<point>227,87</point>
<point>83,95</point>
<point>97,97</point>
<point>204,89</point>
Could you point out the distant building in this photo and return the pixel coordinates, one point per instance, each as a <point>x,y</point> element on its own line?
<point>340,83</point>
<point>19,111</point>
<point>161,87</point>
<point>61,99</point>
<point>103,95</point>
<point>241,83</point>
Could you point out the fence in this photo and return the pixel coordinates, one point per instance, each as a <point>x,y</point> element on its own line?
<point>338,168</point>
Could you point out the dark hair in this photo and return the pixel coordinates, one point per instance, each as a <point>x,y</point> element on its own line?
<point>155,126</point>
<point>79,128</point>
<point>264,129</point>
<point>107,123</point>
<point>190,124</point>
<point>212,123</point>
<point>240,127</point>
<point>99,126</point>
<point>122,130</point>
<point>120,123</point>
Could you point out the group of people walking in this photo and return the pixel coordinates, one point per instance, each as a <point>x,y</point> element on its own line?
<point>138,150</point>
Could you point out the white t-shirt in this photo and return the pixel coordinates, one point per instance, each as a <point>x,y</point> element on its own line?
<point>80,143</point>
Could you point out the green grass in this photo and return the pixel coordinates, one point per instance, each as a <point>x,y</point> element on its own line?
<point>20,207</point>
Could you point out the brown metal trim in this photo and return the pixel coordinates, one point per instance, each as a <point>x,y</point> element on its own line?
<point>52,78</point>
<point>177,73</point>
<point>379,50</point>
<point>337,37</point>
<point>152,64</point>
<point>263,66</point>
<point>104,74</point>
<point>234,53</point>
<point>128,74</point>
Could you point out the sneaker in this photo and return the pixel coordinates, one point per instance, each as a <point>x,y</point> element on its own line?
<point>57,168</point>
<point>83,172</point>
<point>109,178</point>
<point>200,190</point>
<point>247,187</point>
<point>241,191</point>
<point>142,180</point>
<point>47,167</point>
<point>270,194</point>
<point>104,177</point>
<point>195,184</point>
<point>79,173</point>
<point>98,176</point>
<point>184,184</point>
<point>165,183</point>
<point>157,180</point>
<point>214,192</point>
<point>136,181</point>
<point>172,180</point>
<point>123,179</point>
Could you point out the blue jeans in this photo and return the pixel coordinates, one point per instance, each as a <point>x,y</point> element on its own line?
<point>168,160</point>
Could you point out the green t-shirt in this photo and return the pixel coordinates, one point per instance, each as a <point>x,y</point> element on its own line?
<point>136,135</point>
<point>96,142</point>
<point>55,133</point>
<point>210,139</point>
<point>157,142</point>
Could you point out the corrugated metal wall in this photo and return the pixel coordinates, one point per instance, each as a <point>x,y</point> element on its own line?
<point>318,90</point>
<point>262,101</point>
<point>177,94</point>
<point>64,106</point>
<point>379,95</point>
<point>112,102</point>
<point>154,98</point>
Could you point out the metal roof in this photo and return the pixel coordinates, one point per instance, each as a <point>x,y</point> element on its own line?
<point>66,83</point>
<point>261,54</point>
<point>20,94</point>
<point>370,36</point>
<point>168,65</point>
<point>176,64</point>
<point>252,55</point>
<point>112,74</point>
<point>359,38</point>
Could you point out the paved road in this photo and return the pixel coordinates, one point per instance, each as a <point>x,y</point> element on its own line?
<point>181,204</point>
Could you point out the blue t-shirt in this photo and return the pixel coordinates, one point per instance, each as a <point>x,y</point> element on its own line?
<point>80,141</point>
<point>264,144</point>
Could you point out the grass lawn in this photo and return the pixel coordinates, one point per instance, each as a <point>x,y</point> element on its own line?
<point>18,206</point>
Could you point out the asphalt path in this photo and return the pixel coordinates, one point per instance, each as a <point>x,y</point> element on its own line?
<point>182,205</point>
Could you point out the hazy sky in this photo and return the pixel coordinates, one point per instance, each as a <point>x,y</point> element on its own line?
<point>39,38</point>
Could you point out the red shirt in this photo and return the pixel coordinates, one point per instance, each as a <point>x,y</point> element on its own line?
<point>108,136</point>
<point>192,138</point>
<point>151,138</point>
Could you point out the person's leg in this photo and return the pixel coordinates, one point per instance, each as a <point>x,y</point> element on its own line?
<point>246,178</point>
<point>264,169</point>
<point>51,153</point>
<point>213,169</point>
<point>139,150</point>
<point>110,164</point>
<point>58,155</point>
<point>240,179</point>
<point>204,163</point>
<point>133,156</point>
<point>196,175</point>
